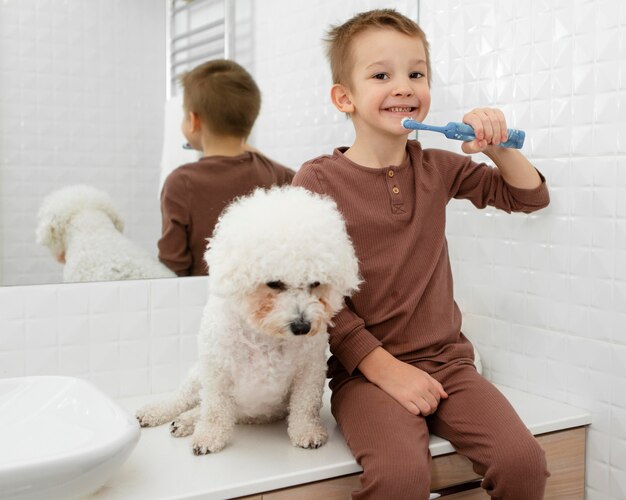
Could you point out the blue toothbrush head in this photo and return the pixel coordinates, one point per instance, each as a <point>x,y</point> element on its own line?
<point>405,122</point>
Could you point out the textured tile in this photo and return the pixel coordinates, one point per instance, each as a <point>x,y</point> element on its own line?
<point>566,74</point>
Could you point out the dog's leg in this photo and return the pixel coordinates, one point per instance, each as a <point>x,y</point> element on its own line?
<point>216,420</point>
<point>215,424</point>
<point>303,422</point>
<point>185,398</point>
<point>185,423</point>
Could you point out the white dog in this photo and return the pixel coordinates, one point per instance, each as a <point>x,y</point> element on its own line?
<point>83,229</point>
<point>280,264</point>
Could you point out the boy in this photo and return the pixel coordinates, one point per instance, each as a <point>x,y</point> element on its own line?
<point>221,101</point>
<point>401,366</point>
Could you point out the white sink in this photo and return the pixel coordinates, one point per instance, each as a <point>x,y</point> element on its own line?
<point>60,438</point>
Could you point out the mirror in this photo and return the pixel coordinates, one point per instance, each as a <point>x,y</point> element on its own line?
<point>82,101</point>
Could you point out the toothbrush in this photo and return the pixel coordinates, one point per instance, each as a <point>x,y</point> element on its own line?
<point>463,132</point>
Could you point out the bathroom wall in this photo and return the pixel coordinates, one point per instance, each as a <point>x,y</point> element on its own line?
<point>81,101</point>
<point>128,337</point>
<point>543,295</point>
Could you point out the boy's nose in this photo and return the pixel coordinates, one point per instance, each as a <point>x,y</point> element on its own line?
<point>403,90</point>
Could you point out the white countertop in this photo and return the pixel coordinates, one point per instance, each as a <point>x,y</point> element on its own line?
<point>261,457</point>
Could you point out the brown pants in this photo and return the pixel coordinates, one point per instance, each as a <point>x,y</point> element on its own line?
<point>391,444</point>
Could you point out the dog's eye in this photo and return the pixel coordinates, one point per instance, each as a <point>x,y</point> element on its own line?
<point>276,285</point>
<point>315,284</point>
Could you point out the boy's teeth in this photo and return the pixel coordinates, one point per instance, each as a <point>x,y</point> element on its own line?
<point>400,110</point>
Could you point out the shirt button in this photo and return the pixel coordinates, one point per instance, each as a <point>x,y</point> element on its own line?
<point>390,173</point>
<point>395,190</point>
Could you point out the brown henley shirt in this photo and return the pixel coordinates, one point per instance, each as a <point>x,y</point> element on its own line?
<point>193,197</point>
<point>396,218</point>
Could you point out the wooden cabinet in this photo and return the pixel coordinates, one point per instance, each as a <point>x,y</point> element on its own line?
<point>565,452</point>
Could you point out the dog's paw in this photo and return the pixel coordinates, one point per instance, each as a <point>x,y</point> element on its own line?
<point>308,437</point>
<point>150,416</point>
<point>182,427</point>
<point>207,441</point>
<point>206,447</point>
<point>185,423</point>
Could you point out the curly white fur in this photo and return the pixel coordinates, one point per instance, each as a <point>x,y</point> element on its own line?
<point>281,263</point>
<point>80,225</point>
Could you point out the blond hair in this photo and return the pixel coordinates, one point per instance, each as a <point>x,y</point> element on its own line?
<point>223,95</point>
<point>339,39</point>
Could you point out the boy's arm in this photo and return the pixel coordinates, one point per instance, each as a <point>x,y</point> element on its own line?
<point>513,186</point>
<point>413,388</point>
<point>285,174</point>
<point>356,348</point>
<point>515,169</point>
<point>490,129</point>
<point>289,175</point>
<point>174,250</point>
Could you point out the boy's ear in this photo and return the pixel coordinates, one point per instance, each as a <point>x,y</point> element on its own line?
<point>194,121</point>
<point>340,96</point>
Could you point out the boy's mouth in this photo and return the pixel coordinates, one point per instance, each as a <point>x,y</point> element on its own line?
<point>400,109</point>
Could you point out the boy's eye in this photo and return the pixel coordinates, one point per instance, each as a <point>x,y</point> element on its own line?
<point>276,285</point>
<point>380,76</point>
<point>416,74</point>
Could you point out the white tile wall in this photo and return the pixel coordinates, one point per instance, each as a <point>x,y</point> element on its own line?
<point>82,87</point>
<point>128,337</point>
<point>543,296</point>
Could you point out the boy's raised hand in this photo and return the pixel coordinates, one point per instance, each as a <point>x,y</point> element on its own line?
<point>489,127</point>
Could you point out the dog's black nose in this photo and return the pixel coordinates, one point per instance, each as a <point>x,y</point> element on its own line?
<point>300,327</point>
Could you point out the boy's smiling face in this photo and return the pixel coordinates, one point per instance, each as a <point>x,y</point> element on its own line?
<point>388,82</point>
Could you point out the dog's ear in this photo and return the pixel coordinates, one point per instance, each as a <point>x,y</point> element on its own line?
<point>100,200</point>
<point>50,233</point>
<point>116,218</point>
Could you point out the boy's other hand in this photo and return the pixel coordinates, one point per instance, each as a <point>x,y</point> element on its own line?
<point>413,388</point>
<point>489,126</point>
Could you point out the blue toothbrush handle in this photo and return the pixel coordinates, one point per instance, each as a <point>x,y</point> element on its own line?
<point>463,132</point>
